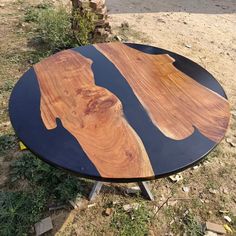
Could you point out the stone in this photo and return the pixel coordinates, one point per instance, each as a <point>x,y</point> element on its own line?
<point>176,178</point>
<point>91,205</point>
<point>134,189</point>
<point>231,142</point>
<point>213,191</point>
<point>129,207</point>
<point>210,233</point>
<point>216,228</point>
<point>227,218</point>
<point>108,211</point>
<point>43,226</point>
<point>186,189</point>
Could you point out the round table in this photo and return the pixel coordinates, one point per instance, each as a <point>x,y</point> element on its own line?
<point>119,112</point>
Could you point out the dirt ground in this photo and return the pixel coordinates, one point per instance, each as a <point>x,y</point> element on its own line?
<point>205,32</point>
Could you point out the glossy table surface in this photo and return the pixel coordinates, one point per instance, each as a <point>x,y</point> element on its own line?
<point>119,112</point>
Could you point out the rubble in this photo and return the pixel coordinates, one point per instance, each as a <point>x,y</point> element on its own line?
<point>176,178</point>
<point>43,226</point>
<point>216,228</point>
<point>129,207</point>
<point>102,27</point>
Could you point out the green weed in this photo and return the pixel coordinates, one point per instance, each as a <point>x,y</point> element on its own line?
<point>19,210</point>
<point>7,142</point>
<point>57,183</point>
<point>32,12</point>
<point>192,226</point>
<point>135,222</point>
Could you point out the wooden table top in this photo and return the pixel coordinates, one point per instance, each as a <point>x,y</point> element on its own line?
<point>119,112</point>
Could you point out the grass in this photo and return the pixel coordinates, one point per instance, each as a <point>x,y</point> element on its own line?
<point>56,183</point>
<point>191,226</point>
<point>19,210</point>
<point>135,222</point>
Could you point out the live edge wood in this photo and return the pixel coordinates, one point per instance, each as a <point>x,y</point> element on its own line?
<point>92,114</point>
<point>175,102</point>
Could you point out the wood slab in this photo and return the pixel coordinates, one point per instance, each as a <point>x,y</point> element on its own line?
<point>92,114</point>
<point>175,102</point>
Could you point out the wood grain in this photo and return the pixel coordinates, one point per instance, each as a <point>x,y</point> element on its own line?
<point>175,102</point>
<point>92,114</point>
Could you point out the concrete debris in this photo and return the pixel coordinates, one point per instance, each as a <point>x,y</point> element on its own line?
<point>227,218</point>
<point>43,226</point>
<point>210,233</point>
<point>213,191</point>
<point>216,228</point>
<point>134,189</point>
<point>102,29</point>
<point>129,207</point>
<point>91,205</point>
<point>186,189</point>
<point>176,178</point>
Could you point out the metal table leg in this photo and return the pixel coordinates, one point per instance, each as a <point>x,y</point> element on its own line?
<point>95,190</point>
<point>142,185</point>
<point>145,190</point>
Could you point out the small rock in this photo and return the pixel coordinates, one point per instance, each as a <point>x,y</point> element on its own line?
<point>213,191</point>
<point>108,211</point>
<point>216,228</point>
<point>134,189</point>
<point>195,167</point>
<point>176,178</point>
<point>185,213</point>
<point>223,211</point>
<point>91,205</point>
<point>130,207</point>
<point>43,226</point>
<point>227,218</point>
<point>186,189</point>
<point>115,202</point>
<point>231,142</point>
<point>225,191</point>
<point>210,233</point>
<point>2,5</point>
<point>187,45</point>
